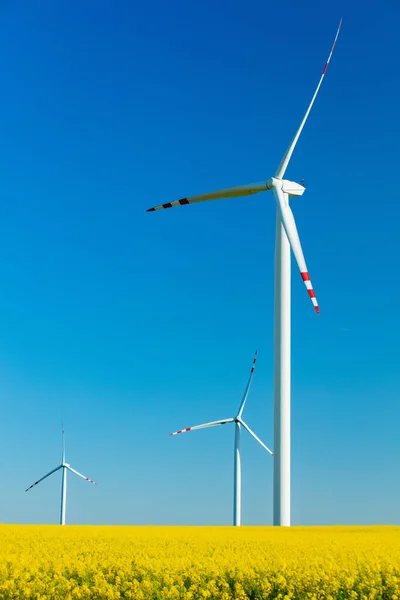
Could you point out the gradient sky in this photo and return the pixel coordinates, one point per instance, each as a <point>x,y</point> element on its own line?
<point>129,325</point>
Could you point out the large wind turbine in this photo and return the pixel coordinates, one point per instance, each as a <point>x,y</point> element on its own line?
<point>64,466</point>
<point>237,477</point>
<point>286,237</point>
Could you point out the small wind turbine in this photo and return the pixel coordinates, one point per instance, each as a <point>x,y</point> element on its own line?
<point>286,237</point>
<point>237,477</point>
<point>64,466</point>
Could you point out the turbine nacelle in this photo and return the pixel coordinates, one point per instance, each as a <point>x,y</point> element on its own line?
<point>288,187</point>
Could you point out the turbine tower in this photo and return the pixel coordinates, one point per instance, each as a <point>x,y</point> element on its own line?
<point>286,237</point>
<point>64,466</point>
<point>237,476</point>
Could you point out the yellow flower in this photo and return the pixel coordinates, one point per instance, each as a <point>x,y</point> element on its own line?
<point>315,563</point>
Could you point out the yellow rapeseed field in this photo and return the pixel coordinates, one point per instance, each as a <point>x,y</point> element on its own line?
<point>74,562</point>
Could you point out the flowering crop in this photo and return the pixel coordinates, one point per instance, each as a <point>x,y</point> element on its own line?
<point>307,563</point>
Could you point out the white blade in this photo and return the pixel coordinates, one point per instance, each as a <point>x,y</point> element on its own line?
<point>63,443</point>
<point>211,424</point>
<point>48,475</point>
<point>291,231</point>
<point>246,392</point>
<point>285,160</point>
<point>80,475</point>
<point>256,437</point>
<point>234,192</point>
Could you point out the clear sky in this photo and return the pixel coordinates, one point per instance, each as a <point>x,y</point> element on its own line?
<point>129,325</point>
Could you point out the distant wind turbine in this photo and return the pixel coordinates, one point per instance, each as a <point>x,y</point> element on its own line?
<point>64,466</point>
<point>237,477</point>
<point>286,237</point>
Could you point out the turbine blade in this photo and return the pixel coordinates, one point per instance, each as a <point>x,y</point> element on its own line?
<point>287,156</point>
<point>291,231</point>
<point>211,424</point>
<point>80,475</point>
<point>256,437</point>
<point>234,192</point>
<point>63,442</point>
<point>39,480</point>
<point>246,391</point>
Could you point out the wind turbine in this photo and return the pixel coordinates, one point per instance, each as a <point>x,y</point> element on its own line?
<point>286,237</point>
<point>237,477</point>
<point>64,466</point>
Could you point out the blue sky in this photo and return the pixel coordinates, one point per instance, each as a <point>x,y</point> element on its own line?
<point>129,325</point>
